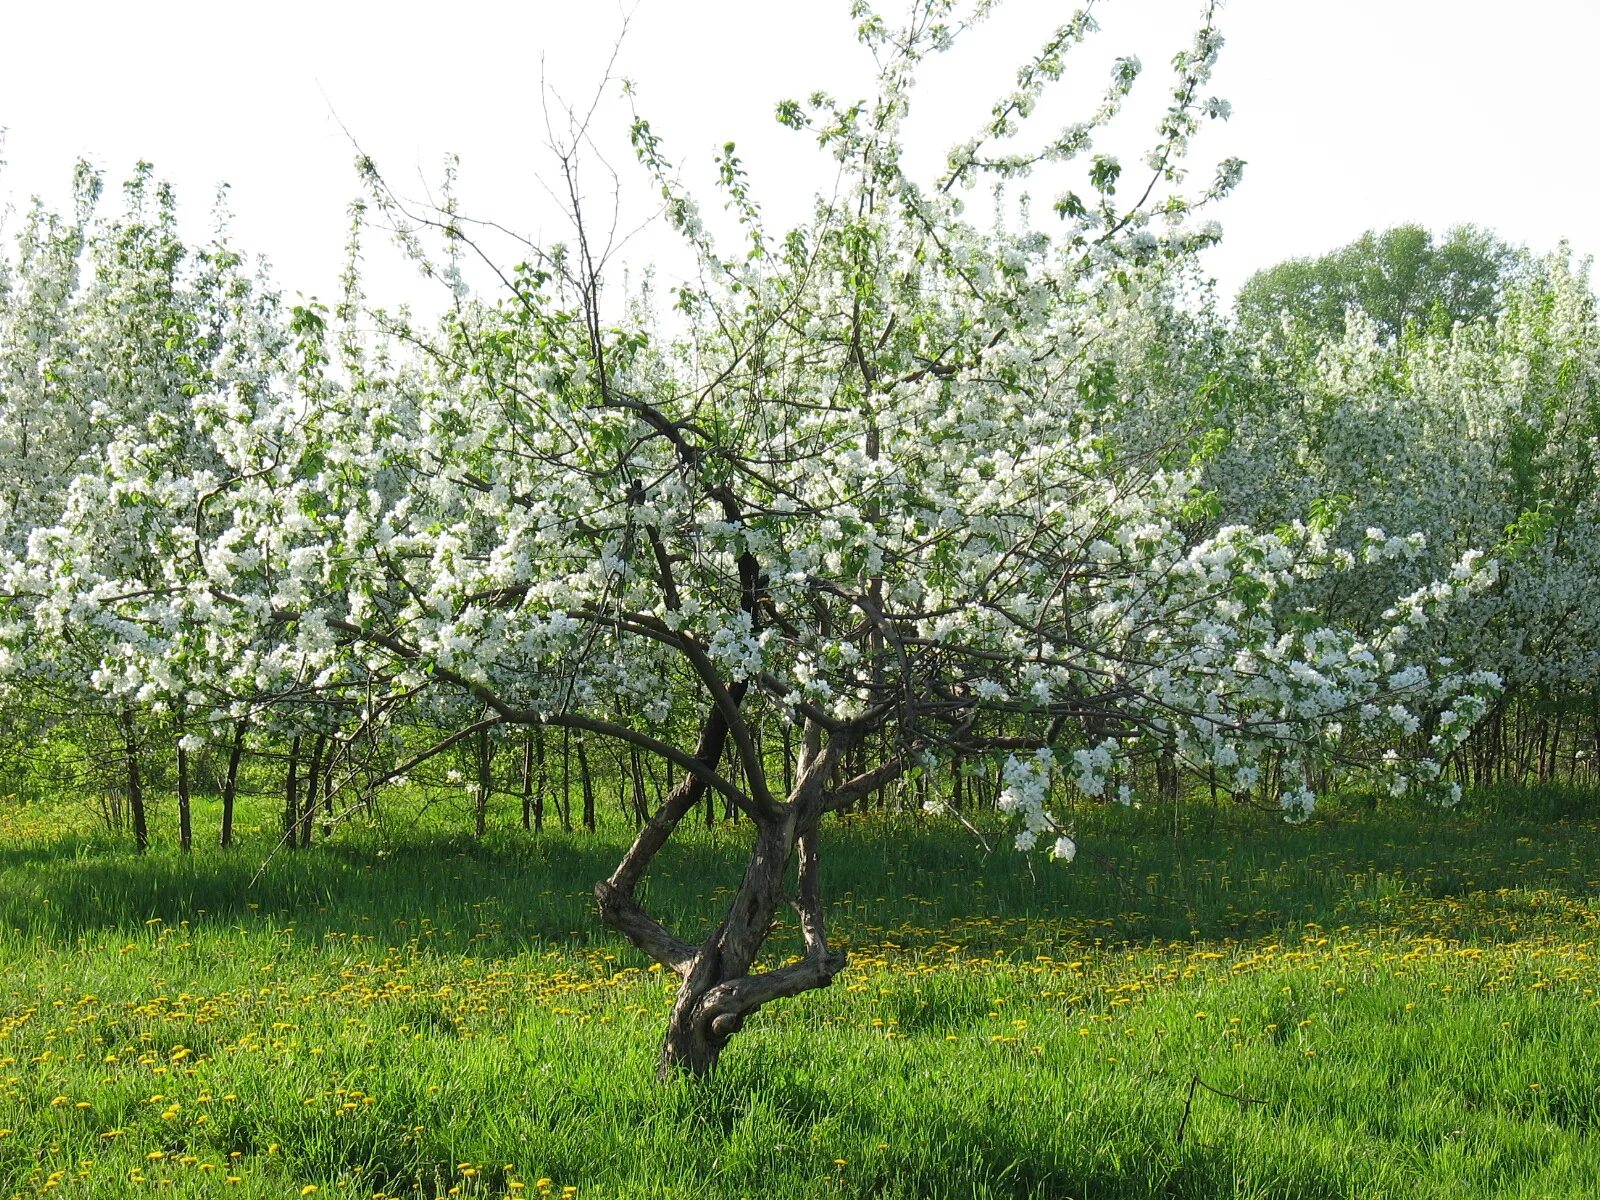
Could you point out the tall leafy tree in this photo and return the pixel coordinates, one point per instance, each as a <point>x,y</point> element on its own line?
<point>1398,277</point>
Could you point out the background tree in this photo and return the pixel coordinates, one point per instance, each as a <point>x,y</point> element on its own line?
<point>1398,277</point>
<point>111,331</point>
<point>1480,433</point>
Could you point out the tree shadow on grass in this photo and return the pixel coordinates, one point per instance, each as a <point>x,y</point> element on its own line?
<point>504,894</point>
<point>893,880</point>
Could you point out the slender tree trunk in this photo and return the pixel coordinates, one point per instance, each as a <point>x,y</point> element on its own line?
<point>527,781</point>
<point>1548,766</point>
<point>331,758</point>
<point>1594,735</point>
<point>130,751</point>
<point>641,807</point>
<point>185,813</point>
<point>542,782</point>
<point>308,812</point>
<point>1167,775</point>
<point>564,805</point>
<point>291,795</point>
<point>788,759</point>
<point>230,785</point>
<point>1525,762</point>
<point>588,787</point>
<point>480,804</point>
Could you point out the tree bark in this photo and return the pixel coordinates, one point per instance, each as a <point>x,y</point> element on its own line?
<point>480,799</point>
<point>527,781</point>
<point>130,751</point>
<point>308,811</point>
<point>327,776</point>
<point>641,807</point>
<point>185,811</point>
<point>541,780</point>
<point>587,780</point>
<point>230,785</point>
<point>291,795</point>
<point>564,804</point>
<point>718,992</point>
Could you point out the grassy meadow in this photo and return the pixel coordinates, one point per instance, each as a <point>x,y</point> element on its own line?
<point>1408,1000</point>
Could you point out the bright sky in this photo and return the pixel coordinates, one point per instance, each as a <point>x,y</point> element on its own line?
<point>1352,114</point>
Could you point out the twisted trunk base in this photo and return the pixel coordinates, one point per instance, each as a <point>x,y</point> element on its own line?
<point>718,991</point>
<point>705,1017</point>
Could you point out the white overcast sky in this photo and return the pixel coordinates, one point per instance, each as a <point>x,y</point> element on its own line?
<point>1352,114</point>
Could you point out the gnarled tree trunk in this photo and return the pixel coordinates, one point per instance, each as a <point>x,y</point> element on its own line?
<point>718,992</point>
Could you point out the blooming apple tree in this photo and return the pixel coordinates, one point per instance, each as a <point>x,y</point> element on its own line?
<point>113,335</point>
<point>862,485</point>
<point>1478,435</point>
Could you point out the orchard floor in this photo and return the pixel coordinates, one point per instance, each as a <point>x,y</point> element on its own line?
<point>1410,1000</point>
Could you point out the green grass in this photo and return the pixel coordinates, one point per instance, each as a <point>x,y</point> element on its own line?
<point>1410,996</point>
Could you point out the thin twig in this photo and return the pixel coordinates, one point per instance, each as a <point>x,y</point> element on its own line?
<point>1240,1098</point>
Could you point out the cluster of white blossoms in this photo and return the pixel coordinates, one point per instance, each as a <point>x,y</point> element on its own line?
<point>1092,766</point>
<point>1298,804</point>
<point>1025,789</point>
